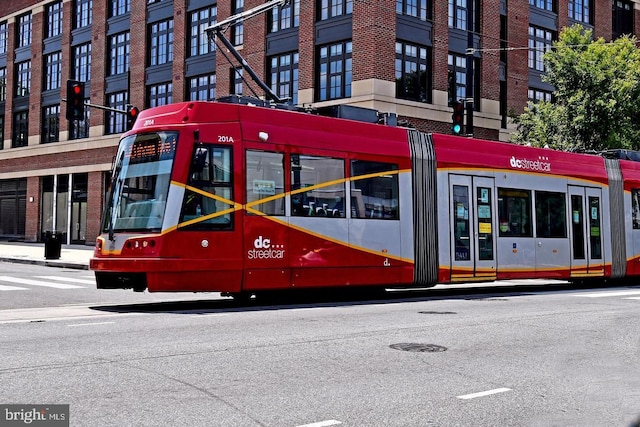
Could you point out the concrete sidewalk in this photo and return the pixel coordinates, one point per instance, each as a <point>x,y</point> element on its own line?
<point>71,256</point>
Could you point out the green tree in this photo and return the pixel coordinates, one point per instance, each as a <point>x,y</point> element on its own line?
<point>597,95</point>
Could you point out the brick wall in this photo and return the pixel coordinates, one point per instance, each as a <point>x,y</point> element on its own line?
<point>222,65</point>
<point>374,29</point>
<point>31,232</point>
<point>98,69</point>
<point>517,60</point>
<point>138,57</point>
<point>37,71</point>
<point>180,46</point>
<point>440,48</point>
<point>306,37</point>
<point>490,64</point>
<point>95,191</point>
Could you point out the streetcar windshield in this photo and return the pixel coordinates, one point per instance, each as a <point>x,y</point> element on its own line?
<point>140,182</point>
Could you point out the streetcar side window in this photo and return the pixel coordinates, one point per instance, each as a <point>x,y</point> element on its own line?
<point>265,182</point>
<point>635,203</point>
<point>208,199</point>
<point>317,186</point>
<point>551,214</point>
<point>374,190</point>
<point>514,212</point>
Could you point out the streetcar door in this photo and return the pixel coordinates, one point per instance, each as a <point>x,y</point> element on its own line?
<point>586,226</point>
<point>472,228</point>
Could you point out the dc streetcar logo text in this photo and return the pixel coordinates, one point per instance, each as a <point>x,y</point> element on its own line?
<point>264,249</point>
<point>533,165</point>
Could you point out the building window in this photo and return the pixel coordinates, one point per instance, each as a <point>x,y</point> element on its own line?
<point>333,8</point>
<point>237,31</point>
<point>412,79</point>
<point>208,199</point>
<point>3,86</point>
<point>580,10</point>
<point>20,129</point>
<point>82,62</point>
<point>416,8</point>
<point>514,213</point>
<point>550,215</point>
<point>119,54</point>
<point>160,94</point>
<point>283,76</point>
<point>80,128</point>
<point>335,71</point>
<point>542,4</point>
<point>23,78</point>
<point>458,14</point>
<point>50,124</point>
<point>458,65</point>
<point>53,74</point>
<point>202,88</point>
<point>265,180</point>
<point>83,13</point>
<point>116,121</point>
<point>235,80</point>
<point>4,36</point>
<point>54,19</point>
<point>539,42</point>
<point>325,178</point>
<point>537,95</point>
<point>283,17</point>
<point>24,30</point>
<point>374,190</point>
<point>622,19</point>
<point>119,7</point>
<point>161,42</point>
<point>198,38</point>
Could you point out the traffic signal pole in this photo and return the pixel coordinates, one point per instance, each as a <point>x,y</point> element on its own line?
<point>101,107</point>
<point>76,105</point>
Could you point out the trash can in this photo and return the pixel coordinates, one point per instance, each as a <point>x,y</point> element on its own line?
<point>52,245</point>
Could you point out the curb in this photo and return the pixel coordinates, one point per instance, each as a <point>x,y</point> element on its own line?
<point>46,263</point>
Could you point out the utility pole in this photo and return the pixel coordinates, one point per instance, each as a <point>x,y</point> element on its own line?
<point>469,101</point>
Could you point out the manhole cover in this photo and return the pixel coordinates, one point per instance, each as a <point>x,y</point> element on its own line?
<point>418,348</point>
<point>437,312</point>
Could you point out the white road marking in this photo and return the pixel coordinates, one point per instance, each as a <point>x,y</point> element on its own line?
<point>210,314</point>
<point>483,393</point>
<point>12,288</point>
<point>38,283</point>
<point>326,423</point>
<point>68,279</point>
<point>91,324</point>
<point>608,294</point>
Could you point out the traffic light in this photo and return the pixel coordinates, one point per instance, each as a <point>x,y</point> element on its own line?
<point>132,115</point>
<point>457,118</point>
<point>75,100</point>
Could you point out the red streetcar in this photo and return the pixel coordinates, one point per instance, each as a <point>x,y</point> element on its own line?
<point>212,196</point>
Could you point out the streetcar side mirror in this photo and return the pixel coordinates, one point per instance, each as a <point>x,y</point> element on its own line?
<point>199,160</point>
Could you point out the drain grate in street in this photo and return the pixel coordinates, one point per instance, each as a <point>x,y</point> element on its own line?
<point>418,348</point>
<point>437,312</point>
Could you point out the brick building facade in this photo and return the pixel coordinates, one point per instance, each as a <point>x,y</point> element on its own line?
<point>393,56</point>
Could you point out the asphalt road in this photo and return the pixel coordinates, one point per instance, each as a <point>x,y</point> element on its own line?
<point>523,356</point>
